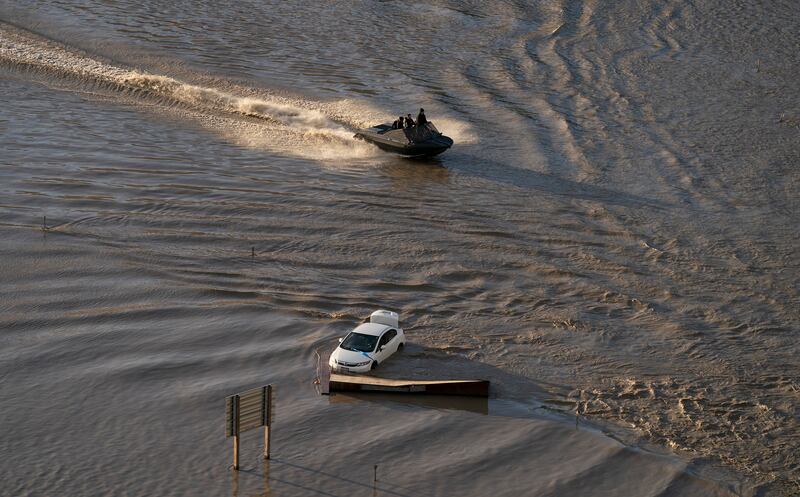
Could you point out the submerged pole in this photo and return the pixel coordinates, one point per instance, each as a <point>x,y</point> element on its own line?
<point>236,433</point>
<point>268,421</point>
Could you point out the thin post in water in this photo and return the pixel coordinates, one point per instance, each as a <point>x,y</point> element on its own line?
<point>236,433</point>
<point>266,416</point>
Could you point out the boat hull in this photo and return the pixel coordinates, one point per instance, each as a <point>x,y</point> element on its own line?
<point>407,142</point>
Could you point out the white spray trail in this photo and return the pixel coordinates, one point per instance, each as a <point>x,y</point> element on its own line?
<point>291,116</point>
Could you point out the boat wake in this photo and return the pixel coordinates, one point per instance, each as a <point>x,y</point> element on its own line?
<point>318,130</point>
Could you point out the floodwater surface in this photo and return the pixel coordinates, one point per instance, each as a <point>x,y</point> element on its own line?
<point>612,240</point>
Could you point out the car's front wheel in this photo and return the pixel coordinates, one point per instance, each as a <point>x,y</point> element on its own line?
<point>374,365</point>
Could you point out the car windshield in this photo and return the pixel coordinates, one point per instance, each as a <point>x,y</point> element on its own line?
<point>359,343</point>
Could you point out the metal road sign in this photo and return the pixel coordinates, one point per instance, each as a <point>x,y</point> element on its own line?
<point>248,410</point>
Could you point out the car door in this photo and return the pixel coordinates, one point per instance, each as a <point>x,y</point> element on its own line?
<point>393,343</point>
<point>386,346</point>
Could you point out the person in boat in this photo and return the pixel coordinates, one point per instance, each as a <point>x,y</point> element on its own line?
<point>421,119</point>
<point>398,123</point>
<point>409,121</point>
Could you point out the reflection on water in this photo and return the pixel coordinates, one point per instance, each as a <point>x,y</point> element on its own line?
<point>249,473</point>
<point>410,173</point>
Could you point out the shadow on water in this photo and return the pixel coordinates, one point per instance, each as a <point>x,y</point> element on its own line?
<point>417,362</point>
<point>378,487</point>
<point>407,173</point>
<point>415,171</point>
<point>477,405</point>
<point>553,185</point>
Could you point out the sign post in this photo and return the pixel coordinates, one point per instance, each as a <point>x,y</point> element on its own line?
<point>236,432</point>
<point>245,411</point>
<point>267,393</point>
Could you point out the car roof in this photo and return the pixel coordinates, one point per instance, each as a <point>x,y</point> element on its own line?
<point>374,329</point>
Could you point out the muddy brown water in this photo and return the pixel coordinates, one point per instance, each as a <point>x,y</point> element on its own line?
<point>613,238</point>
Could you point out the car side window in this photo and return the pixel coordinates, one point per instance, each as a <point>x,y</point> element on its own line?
<point>387,337</point>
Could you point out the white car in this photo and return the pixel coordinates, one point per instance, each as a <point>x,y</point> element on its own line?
<point>368,344</point>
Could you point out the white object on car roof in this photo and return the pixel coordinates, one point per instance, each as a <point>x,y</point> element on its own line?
<point>388,318</point>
